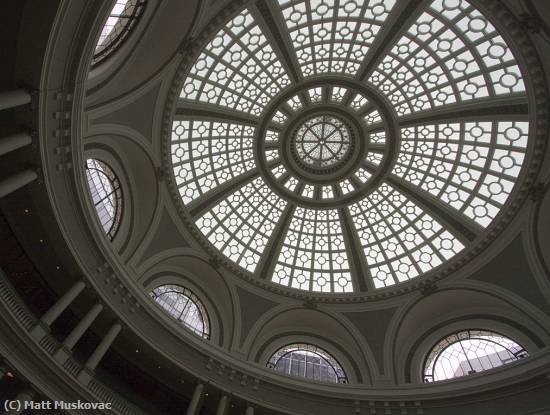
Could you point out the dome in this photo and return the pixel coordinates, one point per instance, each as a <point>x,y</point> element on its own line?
<point>273,207</point>
<point>341,170</point>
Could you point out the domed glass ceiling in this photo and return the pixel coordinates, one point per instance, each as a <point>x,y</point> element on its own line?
<point>340,146</point>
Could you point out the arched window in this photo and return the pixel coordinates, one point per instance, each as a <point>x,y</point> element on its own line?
<point>470,351</point>
<point>122,19</point>
<point>307,361</point>
<point>106,195</point>
<point>184,306</point>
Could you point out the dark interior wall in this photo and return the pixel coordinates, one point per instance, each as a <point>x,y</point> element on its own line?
<point>10,19</point>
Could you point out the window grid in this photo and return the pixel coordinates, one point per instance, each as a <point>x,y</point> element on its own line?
<point>307,361</point>
<point>399,239</point>
<point>184,306</point>
<point>121,21</point>
<point>470,166</point>
<point>238,69</point>
<point>241,225</point>
<point>206,154</point>
<point>106,195</point>
<point>330,38</point>
<point>451,54</point>
<point>470,351</point>
<point>313,254</point>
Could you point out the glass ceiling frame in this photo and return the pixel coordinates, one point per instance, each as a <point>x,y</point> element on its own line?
<point>496,111</point>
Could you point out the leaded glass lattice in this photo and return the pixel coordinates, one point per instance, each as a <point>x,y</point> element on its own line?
<point>240,225</point>
<point>106,195</point>
<point>206,154</point>
<point>238,69</point>
<point>307,361</point>
<point>122,19</point>
<point>313,254</point>
<point>428,133</point>
<point>331,38</point>
<point>470,351</point>
<point>322,141</point>
<point>180,303</point>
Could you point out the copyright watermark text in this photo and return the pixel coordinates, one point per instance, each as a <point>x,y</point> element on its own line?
<point>15,405</point>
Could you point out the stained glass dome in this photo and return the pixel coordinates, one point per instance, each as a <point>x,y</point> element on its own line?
<point>335,147</point>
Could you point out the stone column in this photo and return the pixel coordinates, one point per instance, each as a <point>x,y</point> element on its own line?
<point>15,98</point>
<point>249,410</point>
<point>13,142</point>
<point>63,353</point>
<point>26,395</point>
<point>102,348</point>
<point>17,181</point>
<point>43,325</point>
<point>223,405</point>
<point>55,311</point>
<point>196,400</point>
<point>82,326</point>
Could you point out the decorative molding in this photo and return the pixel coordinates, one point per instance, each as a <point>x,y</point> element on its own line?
<point>118,287</point>
<point>221,370</point>
<point>534,75</point>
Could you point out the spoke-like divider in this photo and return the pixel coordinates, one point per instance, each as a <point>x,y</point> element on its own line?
<point>200,205</point>
<point>360,273</point>
<point>511,108</point>
<point>189,109</point>
<point>465,229</point>
<point>399,20</point>
<point>267,263</point>
<point>270,21</point>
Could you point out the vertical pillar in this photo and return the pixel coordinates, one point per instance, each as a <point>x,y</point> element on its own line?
<point>55,311</point>
<point>13,142</point>
<point>26,395</point>
<point>15,98</point>
<point>196,400</point>
<point>249,410</point>
<point>102,348</point>
<point>223,405</point>
<point>17,181</point>
<point>82,326</point>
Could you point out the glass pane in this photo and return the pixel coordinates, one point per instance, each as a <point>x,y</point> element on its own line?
<point>468,352</point>
<point>106,195</point>
<point>184,306</point>
<point>307,361</point>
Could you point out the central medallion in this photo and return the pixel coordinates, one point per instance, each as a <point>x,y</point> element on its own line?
<point>326,145</point>
<point>321,141</point>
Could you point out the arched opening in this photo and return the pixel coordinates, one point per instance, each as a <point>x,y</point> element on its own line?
<point>470,351</point>
<point>307,361</point>
<point>106,195</point>
<point>121,21</point>
<point>183,305</point>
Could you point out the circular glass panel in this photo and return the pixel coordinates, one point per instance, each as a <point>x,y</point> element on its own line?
<point>322,141</point>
